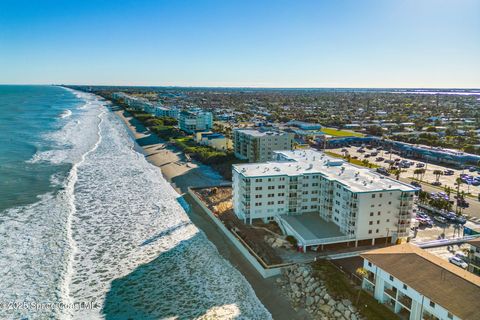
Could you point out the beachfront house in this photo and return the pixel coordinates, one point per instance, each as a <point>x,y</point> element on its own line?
<point>322,200</point>
<point>416,284</point>
<point>214,140</point>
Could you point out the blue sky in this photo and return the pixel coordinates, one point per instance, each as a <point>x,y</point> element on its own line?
<point>348,43</point>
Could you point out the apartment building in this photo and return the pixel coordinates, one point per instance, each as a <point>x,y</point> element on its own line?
<point>161,111</point>
<point>195,120</point>
<point>416,284</point>
<point>323,200</point>
<point>474,256</point>
<point>258,145</point>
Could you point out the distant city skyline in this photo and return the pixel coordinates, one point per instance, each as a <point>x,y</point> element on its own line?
<point>285,44</point>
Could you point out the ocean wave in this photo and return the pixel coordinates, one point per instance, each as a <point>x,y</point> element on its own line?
<point>137,252</point>
<point>65,114</point>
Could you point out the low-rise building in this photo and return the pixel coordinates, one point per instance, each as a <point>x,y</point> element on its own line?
<point>257,145</point>
<point>215,140</point>
<point>419,285</point>
<point>195,120</point>
<point>474,256</point>
<point>323,200</point>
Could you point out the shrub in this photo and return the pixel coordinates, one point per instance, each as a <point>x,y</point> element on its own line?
<point>292,240</point>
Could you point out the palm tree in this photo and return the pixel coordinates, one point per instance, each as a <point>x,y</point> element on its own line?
<point>362,273</point>
<point>437,174</point>
<point>419,173</point>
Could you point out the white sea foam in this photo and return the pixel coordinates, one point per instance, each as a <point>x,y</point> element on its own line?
<point>65,114</point>
<point>116,236</point>
<point>138,254</point>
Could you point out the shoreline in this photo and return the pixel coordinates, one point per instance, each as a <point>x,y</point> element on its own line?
<point>183,173</point>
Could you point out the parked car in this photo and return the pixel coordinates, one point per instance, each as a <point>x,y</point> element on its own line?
<point>383,171</point>
<point>460,219</point>
<point>458,262</point>
<point>448,172</point>
<point>420,165</point>
<point>440,219</point>
<point>379,159</point>
<point>416,184</point>
<point>436,183</point>
<point>461,255</point>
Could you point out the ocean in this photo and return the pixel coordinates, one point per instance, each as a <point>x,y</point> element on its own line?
<point>90,230</point>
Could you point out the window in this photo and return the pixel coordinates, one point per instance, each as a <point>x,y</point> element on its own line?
<point>388,220</point>
<point>281,194</point>
<point>371,214</point>
<point>432,304</point>
<point>270,203</point>
<point>389,202</point>
<point>270,179</point>
<point>281,202</point>
<point>258,204</point>
<point>281,187</point>
<point>258,196</point>
<point>369,231</point>
<point>450,316</point>
<point>405,287</point>
<point>258,180</point>
<point>258,188</point>
<point>380,195</point>
<point>271,195</point>
<point>373,196</point>
<point>376,231</point>
<point>271,187</point>
<point>370,222</point>
<point>379,213</point>
<point>369,264</point>
<point>391,278</point>
<point>378,221</point>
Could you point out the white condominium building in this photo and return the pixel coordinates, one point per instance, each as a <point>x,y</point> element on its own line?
<point>258,145</point>
<point>322,200</point>
<point>417,285</point>
<point>161,111</point>
<point>195,120</point>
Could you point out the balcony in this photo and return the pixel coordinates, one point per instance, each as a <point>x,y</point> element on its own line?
<point>406,301</point>
<point>392,292</point>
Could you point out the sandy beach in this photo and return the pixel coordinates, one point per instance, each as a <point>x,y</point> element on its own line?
<point>183,173</point>
<point>177,169</point>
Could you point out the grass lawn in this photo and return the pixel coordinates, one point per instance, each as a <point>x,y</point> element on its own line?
<point>352,161</point>
<point>339,286</point>
<point>341,133</point>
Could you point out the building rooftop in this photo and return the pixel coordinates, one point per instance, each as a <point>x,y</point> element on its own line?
<point>261,133</point>
<point>445,284</point>
<point>309,161</point>
<point>475,242</point>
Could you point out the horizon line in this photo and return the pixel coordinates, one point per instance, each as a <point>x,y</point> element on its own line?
<point>238,87</point>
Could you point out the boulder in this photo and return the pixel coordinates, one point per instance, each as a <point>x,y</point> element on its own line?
<point>331,303</point>
<point>340,307</point>
<point>309,301</point>
<point>317,299</point>
<point>326,297</point>
<point>337,314</point>
<point>325,308</point>
<point>347,314</point>
<point>346,302</point>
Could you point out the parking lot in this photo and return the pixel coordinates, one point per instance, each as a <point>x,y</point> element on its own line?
<point>408,173</point>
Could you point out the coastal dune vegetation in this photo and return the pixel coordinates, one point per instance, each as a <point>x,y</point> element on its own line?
<point>165,128</point>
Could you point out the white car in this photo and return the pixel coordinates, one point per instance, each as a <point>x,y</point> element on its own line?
<point>458,262</point>
<point>461,255</point>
